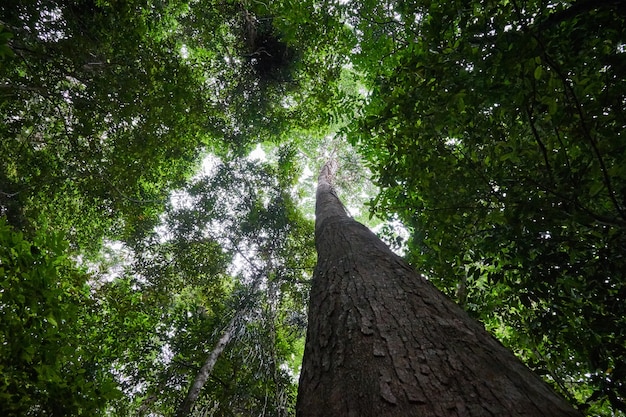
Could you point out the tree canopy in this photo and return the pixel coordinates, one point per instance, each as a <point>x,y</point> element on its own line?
<point>137,224</point>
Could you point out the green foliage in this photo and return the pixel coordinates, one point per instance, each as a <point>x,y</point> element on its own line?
<point>495,133</point>
<point>493,129</point>
<point>5,49</point>
<point>48,364</point>
<point>76,133</point>
<point>231,243</point>
<point>106,107</point>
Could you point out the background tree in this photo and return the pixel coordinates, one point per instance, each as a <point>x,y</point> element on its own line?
<point>229,263</point>
<point>96,121</point>
<point>49,363</point>
<point>105,109</point>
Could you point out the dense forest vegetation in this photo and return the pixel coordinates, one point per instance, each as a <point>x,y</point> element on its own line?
<point>141,234</point>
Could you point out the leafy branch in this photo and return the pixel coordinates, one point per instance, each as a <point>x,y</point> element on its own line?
<point>585,129</point>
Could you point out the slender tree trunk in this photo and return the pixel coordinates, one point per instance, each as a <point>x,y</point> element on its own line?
<point>383,341</point>
<point>204,373</point>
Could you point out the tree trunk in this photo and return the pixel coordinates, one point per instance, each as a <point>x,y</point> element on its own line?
<point>205,372</point>
<point>383,341</point>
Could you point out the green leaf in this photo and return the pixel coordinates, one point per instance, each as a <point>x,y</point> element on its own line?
<point>553,106</point>
<point>52,320</point>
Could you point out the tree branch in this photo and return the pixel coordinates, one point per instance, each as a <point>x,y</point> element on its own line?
<point>542,146</point>
<point>586,131</point>
<point>578,8</point>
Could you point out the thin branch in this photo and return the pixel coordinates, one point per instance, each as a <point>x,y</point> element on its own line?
<point>125,197</point>
<point>564,148</point>
<point>557,379</point>
<point>577,8</point>
<point>586,131</point>
<point>10,195</point>
<point>609,221</point>
<point>542,146</point>
<point>39,90</point>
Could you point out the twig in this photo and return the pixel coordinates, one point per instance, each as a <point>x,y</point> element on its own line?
<point>542,146</point>
<point>586,131</point>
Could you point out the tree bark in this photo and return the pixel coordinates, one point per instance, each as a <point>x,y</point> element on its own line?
<point>383,341</point>
<point>205,372</point>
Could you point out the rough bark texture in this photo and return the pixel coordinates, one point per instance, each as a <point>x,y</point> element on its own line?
<point>383,341</point>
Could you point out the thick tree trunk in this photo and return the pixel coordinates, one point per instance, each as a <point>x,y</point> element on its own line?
<point>383,341</point>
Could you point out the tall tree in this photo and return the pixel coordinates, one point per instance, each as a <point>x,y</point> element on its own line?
<point>223,285</point>
<point>514,112</point>
<point>384,341</point>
